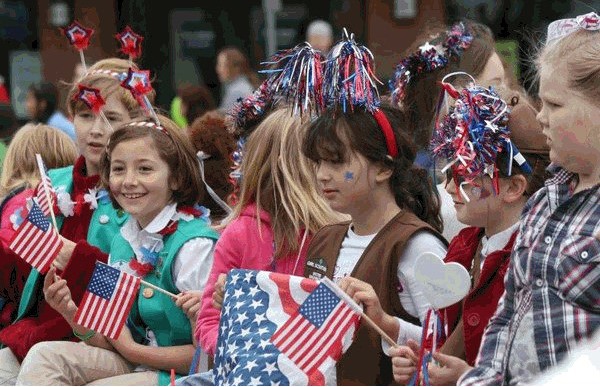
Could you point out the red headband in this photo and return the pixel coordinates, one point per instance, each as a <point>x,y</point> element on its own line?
<point>388,133</point>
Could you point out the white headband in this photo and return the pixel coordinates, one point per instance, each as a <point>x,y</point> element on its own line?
<point>560,28</point>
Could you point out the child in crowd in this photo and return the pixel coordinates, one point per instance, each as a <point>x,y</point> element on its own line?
<point>86,219</point>
<point>17,182</point>
<point>484,248</point>
<point>152,173</point>
<point>278,211</point>
<point>553,281</point>
<point>464,47</point>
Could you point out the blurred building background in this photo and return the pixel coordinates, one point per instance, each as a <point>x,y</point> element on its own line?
<point>181,37</point>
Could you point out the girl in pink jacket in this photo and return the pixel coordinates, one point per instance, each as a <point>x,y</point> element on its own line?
<point>278,211</point>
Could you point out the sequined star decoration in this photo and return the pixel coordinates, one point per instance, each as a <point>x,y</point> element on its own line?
<point>90,97</point>
<point>79,37</point>
<point>131,43</point>
<point>139,84</point>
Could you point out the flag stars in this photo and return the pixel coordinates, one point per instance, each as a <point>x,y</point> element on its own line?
<point>248,277</point>
<point>256,304</point>
<point>238,292</point>
<point>259,318</point>
<point>241,317</point>
<point>253,290</point>
<point>255,381</point>
<point>262,330</point>
<point>250,365</point>
<point>270,368</point>
<point>264,344</point>
<point>249,344</point>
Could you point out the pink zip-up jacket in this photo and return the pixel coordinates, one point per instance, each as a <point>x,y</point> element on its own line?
<point>242,246</point>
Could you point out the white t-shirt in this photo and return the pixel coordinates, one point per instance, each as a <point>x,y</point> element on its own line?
<point>410,295</point>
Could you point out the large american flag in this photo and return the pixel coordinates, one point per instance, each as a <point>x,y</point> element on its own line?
<point>44,192</point>
<point>36,241</point>
<point>107,300</point>
<point>277,329</point>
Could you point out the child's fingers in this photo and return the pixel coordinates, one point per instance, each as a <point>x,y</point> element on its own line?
<point>49,278</point>
<point>190,303</point>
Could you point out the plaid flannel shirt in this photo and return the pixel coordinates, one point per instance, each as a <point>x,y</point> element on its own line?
<point>556,265</point>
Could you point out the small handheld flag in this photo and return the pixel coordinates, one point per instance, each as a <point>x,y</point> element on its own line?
<point>35,241</point>
<point>107,300</point>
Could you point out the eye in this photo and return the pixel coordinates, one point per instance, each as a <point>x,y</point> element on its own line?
<point>86,115</point>
<point>115,169</point>
<point>145,168</point>
<point>550,104</point>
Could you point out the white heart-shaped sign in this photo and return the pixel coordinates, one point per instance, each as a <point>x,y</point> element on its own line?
<point>443,284</point>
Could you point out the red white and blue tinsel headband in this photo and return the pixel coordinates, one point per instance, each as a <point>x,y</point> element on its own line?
<point>429,58</point>
<point>560,28</point>
<point>473,134</point>
<point>294,77</point>
<point>350,83</point>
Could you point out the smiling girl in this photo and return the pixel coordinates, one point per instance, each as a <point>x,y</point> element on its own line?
<point>153,175</point>
<point>86,219</point>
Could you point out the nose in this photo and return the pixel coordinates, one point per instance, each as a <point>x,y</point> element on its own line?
<point>323,174</point>
<point>98,127</point>
<point>130,178</point>
<point>450,187</point>
<point>541,117</point>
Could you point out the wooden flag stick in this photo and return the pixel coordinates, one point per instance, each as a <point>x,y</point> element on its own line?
<point>40,164</point>
<point>148,284</point>
<point>340,293</point>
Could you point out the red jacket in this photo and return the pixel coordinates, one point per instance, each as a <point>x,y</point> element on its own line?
<point>46,324</point>
<point>479,305</point>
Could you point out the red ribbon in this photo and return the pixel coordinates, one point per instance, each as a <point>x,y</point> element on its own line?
<point>141,269</point>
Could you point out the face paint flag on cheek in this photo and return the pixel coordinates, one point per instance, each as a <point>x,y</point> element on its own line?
<point>348,176</point>
<point>79,37</point>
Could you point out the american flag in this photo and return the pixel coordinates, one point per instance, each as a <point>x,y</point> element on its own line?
<point>35,241</point>
<point>277,329</point>
<point>107,300</point>
<point>44,191</point>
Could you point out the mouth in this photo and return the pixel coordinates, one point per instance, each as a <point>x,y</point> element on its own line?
<point>97,145</point>
<point>132,195</point>
<point>329,192</point>
<point>458,203</point>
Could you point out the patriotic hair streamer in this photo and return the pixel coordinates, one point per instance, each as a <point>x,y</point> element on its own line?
<point>79,37</point>
<point>473,134</point>
<point>296,75</point>
<point>349,77</point>
<point>429,58</point>
<point>350,83</point>
<point>131,43</point>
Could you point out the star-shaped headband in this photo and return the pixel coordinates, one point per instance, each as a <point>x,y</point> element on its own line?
<point>90,97</point>
<point>78,35</point>
<point>560,28</point>
<point>131,43</point>
<point>139,84</point>
<point>429,58</point>
<point>473,134</point>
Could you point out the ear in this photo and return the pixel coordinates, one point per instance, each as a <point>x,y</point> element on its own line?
<point>173,185</point>
<point>515,189</point>
<point>43,104</point>
<point>383,174</point>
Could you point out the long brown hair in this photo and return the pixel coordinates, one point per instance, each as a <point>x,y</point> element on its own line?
<point>410,185</point>
<point>281,181</point>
